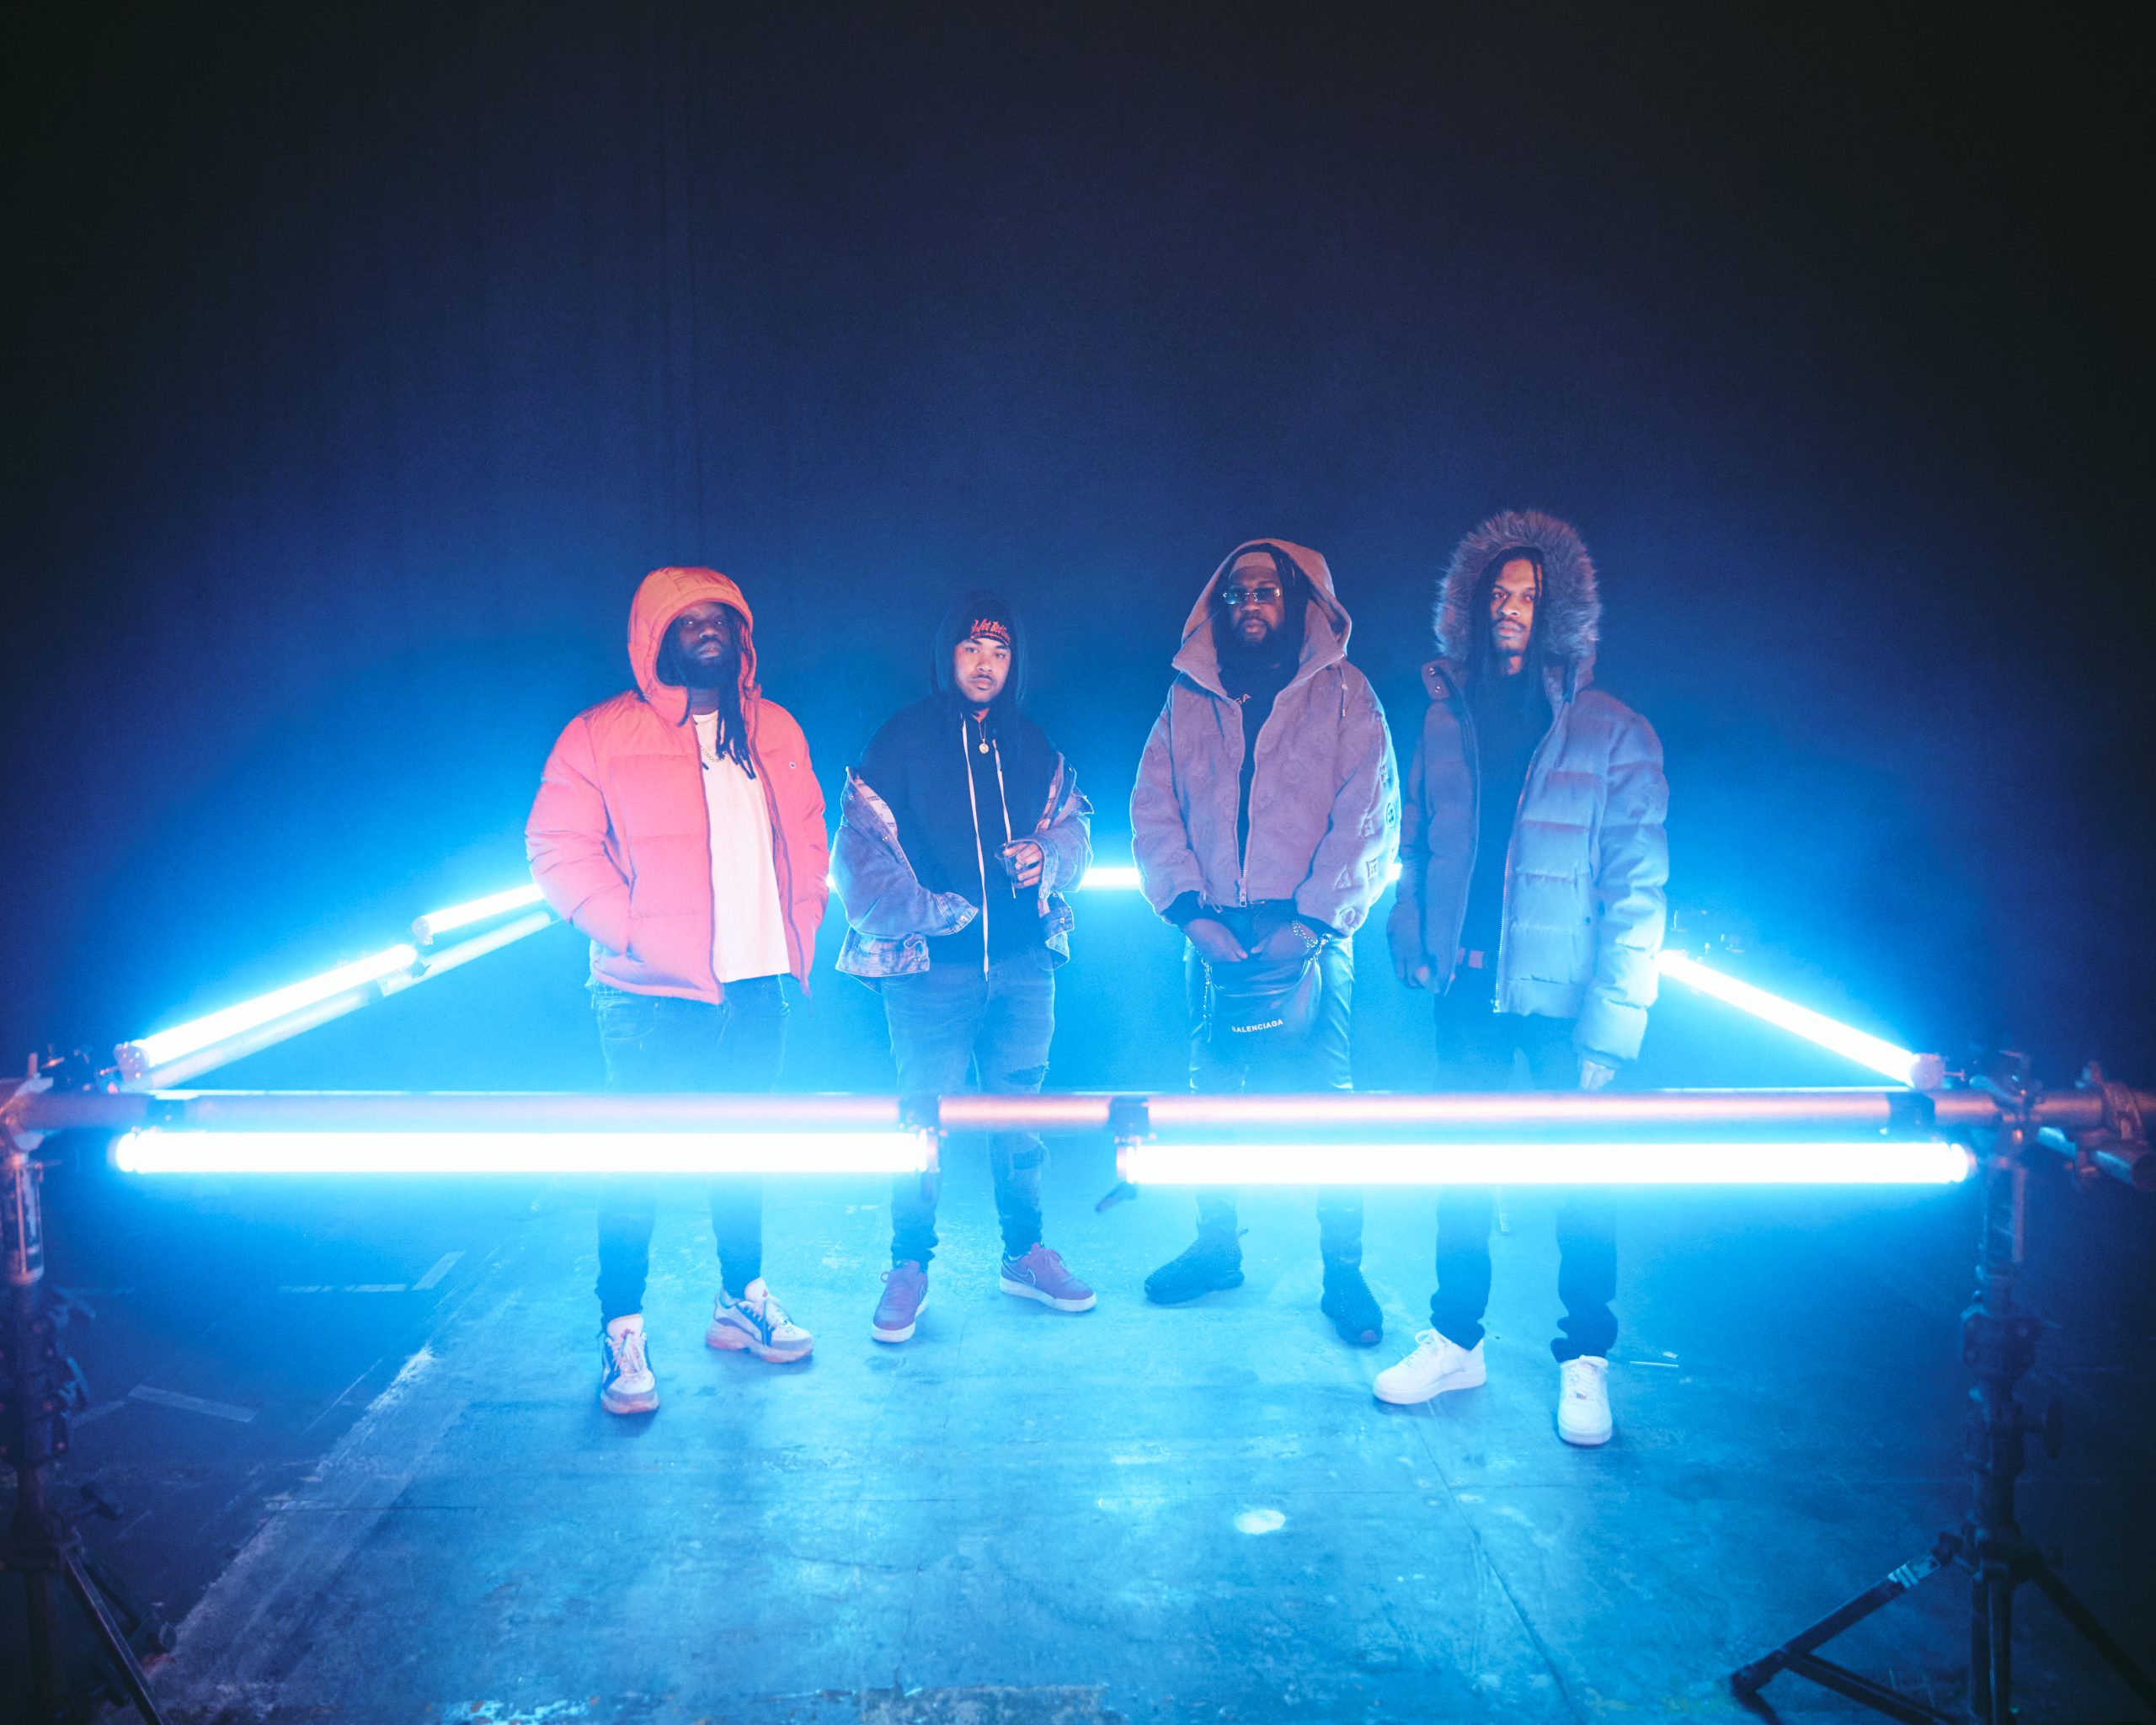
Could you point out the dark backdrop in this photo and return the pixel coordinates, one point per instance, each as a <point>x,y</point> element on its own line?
<point>364,357</point>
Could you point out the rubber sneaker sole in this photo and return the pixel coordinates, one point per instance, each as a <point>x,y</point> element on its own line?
<point>646,1401</point>
<point>1026,1290</point>
<point>1183,1296</point>
<point>1589,1439</point>
<point>895,1337</point>
<point>729,1340</point>
<point>1471,1378</point>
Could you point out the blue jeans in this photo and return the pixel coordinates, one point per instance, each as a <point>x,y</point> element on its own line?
<point>655,1045</point>
<point>1319,1062</point>
<point>1475,1050</point>
<point>948,1023</point>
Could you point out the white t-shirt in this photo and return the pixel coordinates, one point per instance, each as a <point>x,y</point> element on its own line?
<point>748,930</point>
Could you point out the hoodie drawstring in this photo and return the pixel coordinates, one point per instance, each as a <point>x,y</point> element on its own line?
<point>973,802</point>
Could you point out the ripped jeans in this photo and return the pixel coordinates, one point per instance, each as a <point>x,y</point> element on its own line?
<point>946,1023</point>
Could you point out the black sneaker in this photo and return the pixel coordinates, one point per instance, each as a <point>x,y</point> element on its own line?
<point>1204,1268</point>
<point>1353,1309</point>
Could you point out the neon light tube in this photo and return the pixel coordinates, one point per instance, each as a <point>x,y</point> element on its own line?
<point>163,1047</point>
<point>1920,1071</point>
<point>436,923</point>
<point>1878,1162</point>
<point>157,1150</point>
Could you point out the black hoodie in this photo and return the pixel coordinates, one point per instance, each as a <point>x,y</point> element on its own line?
<point>920,764</point>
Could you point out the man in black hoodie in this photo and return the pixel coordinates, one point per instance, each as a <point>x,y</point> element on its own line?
<point>961,829</point>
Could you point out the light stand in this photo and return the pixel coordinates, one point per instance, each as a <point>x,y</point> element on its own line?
<point>1998,1342</point>
<point>42,1545</point>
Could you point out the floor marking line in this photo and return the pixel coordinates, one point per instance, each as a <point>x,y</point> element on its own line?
<point>443,1266</point>
<point>249,1629</point>
<point>194,1404</point>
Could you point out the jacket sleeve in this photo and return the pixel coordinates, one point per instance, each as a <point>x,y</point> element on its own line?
<point>1362,835</point>
<point>1160,842</point>
<point>1065,834</point>
<point>565,839</point>
<point>1630,903</point>
<point>1403,928</point>
<point>883,899</point>
<point>809,846</point>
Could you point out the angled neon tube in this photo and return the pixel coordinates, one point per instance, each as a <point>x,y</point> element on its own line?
<point>157,1150</point>
<point>164,1048</point>
<point>1921,1071</point>
<point>1876,1162</point>
<point>425,928</point>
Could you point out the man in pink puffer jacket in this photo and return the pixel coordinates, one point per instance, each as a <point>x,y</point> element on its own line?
<point>680,826</point>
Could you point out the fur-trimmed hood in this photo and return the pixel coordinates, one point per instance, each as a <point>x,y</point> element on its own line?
<point>1569,615</point>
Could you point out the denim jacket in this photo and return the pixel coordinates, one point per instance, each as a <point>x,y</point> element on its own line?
<point>890,914</point>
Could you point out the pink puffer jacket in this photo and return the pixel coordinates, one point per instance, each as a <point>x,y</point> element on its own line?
<point>618,838</point>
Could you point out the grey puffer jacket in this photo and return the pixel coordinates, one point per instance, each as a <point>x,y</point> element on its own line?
<point>1325,794</point>
<point>1583,906</point>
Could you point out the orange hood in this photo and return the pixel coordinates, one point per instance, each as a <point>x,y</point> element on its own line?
<point>663,596</point>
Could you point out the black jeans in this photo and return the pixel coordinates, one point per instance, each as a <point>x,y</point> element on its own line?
<point>657,1045</point>
<point>946,1023</point>
<point>1475,1050</point>
<point>1319,1062</point>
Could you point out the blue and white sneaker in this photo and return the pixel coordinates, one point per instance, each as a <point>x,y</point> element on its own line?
<point>625,1384</point>
<point>757,1322</point>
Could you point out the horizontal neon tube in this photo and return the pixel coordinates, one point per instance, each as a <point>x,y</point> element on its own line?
<point>155,1151</point>
<point>1876,1162</point>
<point>463,916</point>
<point>163,1047</point>
<point>1871,1051</point>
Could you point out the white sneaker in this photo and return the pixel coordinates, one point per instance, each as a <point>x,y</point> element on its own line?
<point>758,1322</point>
<point>1435,1366</point>
<point>625,1384</point>
<point>1583,1401</point>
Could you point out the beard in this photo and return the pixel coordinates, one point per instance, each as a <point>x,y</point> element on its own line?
<point>1238,652</point>
<point>686,670</point>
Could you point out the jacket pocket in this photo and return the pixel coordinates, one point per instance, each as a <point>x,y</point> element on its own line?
<point>626,1020</point>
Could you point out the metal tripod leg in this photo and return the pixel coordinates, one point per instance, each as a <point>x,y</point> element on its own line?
<point>2079,1616</point>
<point>1798,1654</point>
<point>92,1601</point>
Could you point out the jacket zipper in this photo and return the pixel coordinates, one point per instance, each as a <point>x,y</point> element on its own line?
<point>780,856</point>
<point>1512,852</point>
<point>973,802</point>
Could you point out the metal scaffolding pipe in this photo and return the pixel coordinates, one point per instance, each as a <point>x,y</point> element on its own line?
<point>1331,1117</point>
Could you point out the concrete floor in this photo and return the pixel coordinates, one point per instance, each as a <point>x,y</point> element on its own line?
<point>1130,1514</point>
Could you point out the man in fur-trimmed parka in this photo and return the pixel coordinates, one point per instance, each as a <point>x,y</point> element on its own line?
<point>1266,811</point>
<point>1532,864</point>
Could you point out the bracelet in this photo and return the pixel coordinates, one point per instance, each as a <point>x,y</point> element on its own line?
<point>1312,940</point>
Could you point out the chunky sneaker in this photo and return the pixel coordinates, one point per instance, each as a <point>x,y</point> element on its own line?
<point>1436,1366</point>
<point>1205,1266</point>
<point>757,1322</point>
<point>906,1291</point>
<point>1351,1305</point>
<point>625,1384</point>
<point>1040,1275</point>
<point>1583,1401</point>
